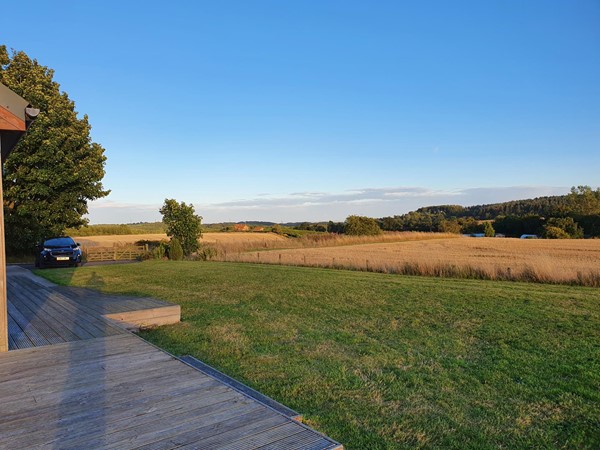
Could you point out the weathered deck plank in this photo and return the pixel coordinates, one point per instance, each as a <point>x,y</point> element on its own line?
<point>94,323</point>
<point>76,380</point>
<point>120,392</point>
<point>16,335</point>
<point>63,319</point>
<point>46,314</point>
<point>29,329</point>
<point>56,319</point>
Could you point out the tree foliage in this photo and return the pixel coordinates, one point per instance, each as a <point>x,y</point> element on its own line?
<point>175,250</point>
<point>551,232</point>
<point>56,168</point>
<point>585,201</point>
<point>514,226</point>
<point>361,226</point>
<point>182,223</point>
<point>515,218</point>
<point>567,225</point>
<point>541,206</point>
<point>335,227</point>
<point>488,229</point>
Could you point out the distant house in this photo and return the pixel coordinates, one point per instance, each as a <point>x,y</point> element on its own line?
<point>241,227</point>
<point>529,236</point>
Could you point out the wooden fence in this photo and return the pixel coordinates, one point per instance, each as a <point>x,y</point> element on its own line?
<point>128,253</point>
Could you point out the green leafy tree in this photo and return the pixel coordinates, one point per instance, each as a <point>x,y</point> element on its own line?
<point>449,226</point>
<point>469,225</point>
<point>175,250</point>
<point>361,226</point>
<point>335,227</point>
<point>584,200</point>
<point>488,229</point>
<point>569,227</point>
<point>182,223</point>
<point>551,232</point>
<point>56,168</point>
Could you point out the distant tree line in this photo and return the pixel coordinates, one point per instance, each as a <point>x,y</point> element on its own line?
<point>554,206</point>
<point>574,215</point>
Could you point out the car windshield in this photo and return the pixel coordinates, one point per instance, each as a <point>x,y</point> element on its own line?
<point>59,242</point>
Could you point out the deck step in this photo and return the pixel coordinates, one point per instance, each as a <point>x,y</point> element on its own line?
<point>268,401</point>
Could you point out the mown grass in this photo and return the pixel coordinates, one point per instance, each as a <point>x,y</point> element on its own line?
<point>382,361</point>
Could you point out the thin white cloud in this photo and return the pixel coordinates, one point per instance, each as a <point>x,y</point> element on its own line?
<point>319,206</point>
<point>109,204</point>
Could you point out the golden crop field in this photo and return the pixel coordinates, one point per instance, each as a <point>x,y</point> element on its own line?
<point>559,261</point>
<point>565,260</point>
<point>246,238</point>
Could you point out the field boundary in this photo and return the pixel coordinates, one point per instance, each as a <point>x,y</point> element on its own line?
<point>128,253</point>
<point>528,273</point>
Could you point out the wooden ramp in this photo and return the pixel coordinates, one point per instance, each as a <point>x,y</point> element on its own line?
<point>86,383</point>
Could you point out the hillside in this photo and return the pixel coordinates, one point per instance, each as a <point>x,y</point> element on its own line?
<point>539,206</point>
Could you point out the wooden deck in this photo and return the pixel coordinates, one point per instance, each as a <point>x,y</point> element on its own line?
<point>85,382</point>
<point>41,313</point>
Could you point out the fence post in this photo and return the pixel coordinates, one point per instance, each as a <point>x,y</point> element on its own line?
<point>280,258</point>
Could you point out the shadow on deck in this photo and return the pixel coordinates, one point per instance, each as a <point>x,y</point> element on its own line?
<point>77,379</point>
<point>41,313</point>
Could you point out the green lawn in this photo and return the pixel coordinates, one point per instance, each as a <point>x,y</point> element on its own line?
<point>383,361</point>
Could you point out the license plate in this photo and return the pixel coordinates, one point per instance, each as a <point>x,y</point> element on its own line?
<point>62,258</point>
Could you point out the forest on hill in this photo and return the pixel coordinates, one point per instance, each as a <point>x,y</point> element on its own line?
<point>574,215</point>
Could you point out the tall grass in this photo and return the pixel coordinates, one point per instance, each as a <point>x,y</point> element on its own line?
<point>99,230</point>
<point>319,240</point>
<point>573,263</point>
<point>119,230</point>
<point>526,273</point>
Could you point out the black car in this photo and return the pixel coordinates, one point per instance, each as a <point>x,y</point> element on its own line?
<point>60,251</point>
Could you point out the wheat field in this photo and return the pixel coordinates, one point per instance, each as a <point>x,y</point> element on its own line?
<point>247,239</point>
<point>573,261</point>
<point>563,261</point>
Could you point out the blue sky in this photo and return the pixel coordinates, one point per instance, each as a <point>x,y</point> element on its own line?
<point>314,110</point>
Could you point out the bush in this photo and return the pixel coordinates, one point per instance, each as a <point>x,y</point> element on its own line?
<point>551,232</point>
<point>206,252</point>
<point>449,226</point>
<point>488,230</point>
<point>160,251</point>
<point>567,225</point>
<point>361,226</point>
<point>175,250</point>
